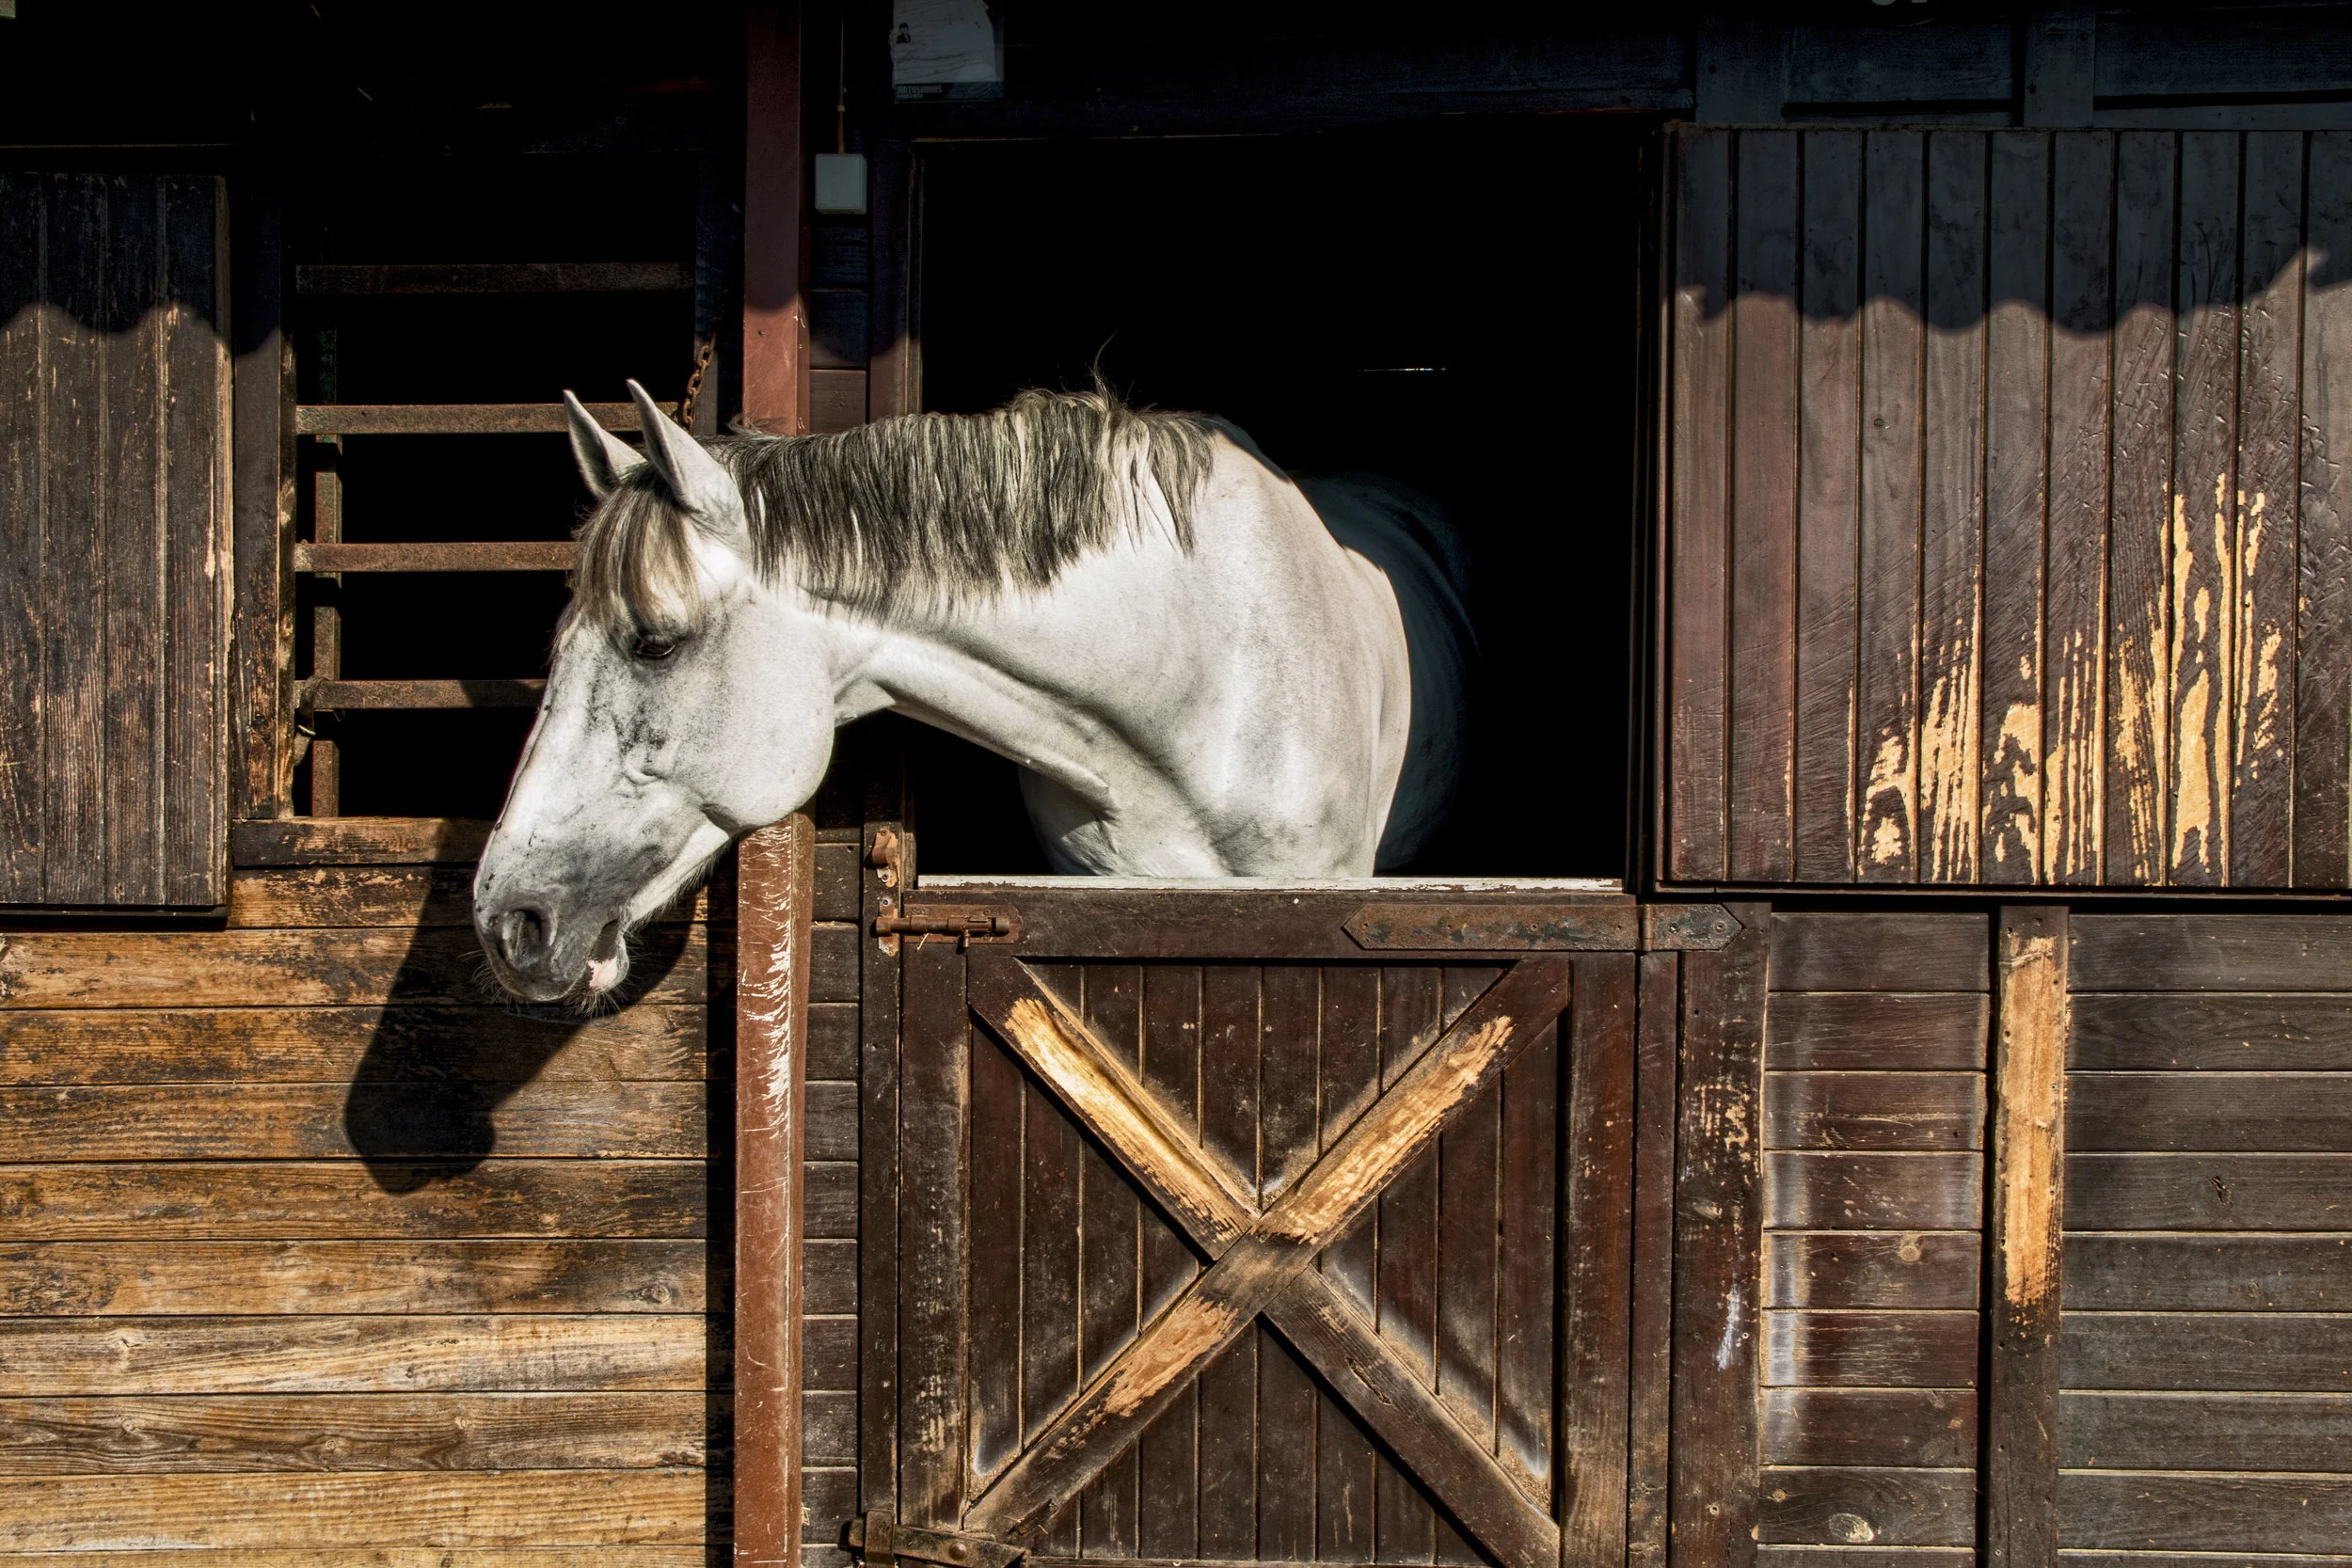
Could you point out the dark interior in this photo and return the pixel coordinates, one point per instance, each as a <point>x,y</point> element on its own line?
<point>1455,303</point>
<point>1452,303</point>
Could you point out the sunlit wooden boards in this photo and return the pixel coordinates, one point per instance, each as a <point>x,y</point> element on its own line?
<point>1876,1048</point>
<point>114,522</point>
<point>310,1244</point>
<point>2207,1330</point>
<point>2008,525</point>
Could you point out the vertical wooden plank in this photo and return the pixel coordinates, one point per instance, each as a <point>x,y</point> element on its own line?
<point>880,1385</point>
<point>2202,541</point>
<point>893,375</point>
<point>1762,765</point>
<point>1229,1067</point>
<point>1350,1068</point>
<point>1286,1454</point>
<point>1171,1067</point>
<point>775,310</point>
<point>1168,1503</point>
<point>2017,478</point>
<point>2323,695</point>
<point>1699,507</point>
<point>1595,1263</point>
<point>1228,1488</point>
<point>994,1183</point>
<point>1226,1492</point>
<point>1288,1047</point>
<point>2075,638</point>
<point>2023,1239</point>
<point>132,647</point>
<point>24,200</point>
<point>1952,588</point>
<point>194,799</point>
<point>1344,1485</point>
<point>73,558</point>
<point>1718,1238</point>
<point>775,886</point>
<point>263,467</point>
<point>1406,1283</point>
<point>1109,1259</point>
<point>1527,1295</point>
<point>2139,486</point>
<point>934,1084</point>
<point>1470,1195</point>
<point>2270,418</point>
<point>1051,1148</point>
<point>1895,174</point>
<point>1650,1315</point>
<point>1828,506</point>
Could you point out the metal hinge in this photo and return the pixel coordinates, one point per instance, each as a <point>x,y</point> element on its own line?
<point>1687,928</point>
<point>880,1541</point>
<point>966,923</point>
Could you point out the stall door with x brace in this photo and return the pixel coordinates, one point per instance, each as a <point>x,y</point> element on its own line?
<point>1251,1226</point>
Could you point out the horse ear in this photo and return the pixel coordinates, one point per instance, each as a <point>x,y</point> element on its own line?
<point>701,484</point>
<point>604,458</point>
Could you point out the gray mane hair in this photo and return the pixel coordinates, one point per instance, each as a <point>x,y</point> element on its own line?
<point>938,509</point>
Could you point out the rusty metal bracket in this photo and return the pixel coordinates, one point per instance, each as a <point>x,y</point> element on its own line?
<point>966,923</point>
<point>880,1540</point>
<point>1687,928</point>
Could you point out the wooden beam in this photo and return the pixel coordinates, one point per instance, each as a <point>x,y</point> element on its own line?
<point>413,696</point>
<point>357,841</point>
<point>1719,1214</point>
<point>2060,42</point>
<point>1740,67</point>
<point>775,893</point>
<point>456,419</point>
<point>775,309</point>
<point>498,277</point>
<point>2020,1405</point>
<point>262,507</point>
<point>505,555</point>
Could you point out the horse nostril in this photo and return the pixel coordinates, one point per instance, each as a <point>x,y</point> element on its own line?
<point>523,937</point>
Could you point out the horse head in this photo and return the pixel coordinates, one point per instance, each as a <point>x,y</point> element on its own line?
<point>689,702</point>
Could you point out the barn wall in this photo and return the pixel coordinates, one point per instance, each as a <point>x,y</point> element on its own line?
<point>1875,1054</point>
<point>2008,518</point>
<point>307,1240</point>
<point>2207,1330</point>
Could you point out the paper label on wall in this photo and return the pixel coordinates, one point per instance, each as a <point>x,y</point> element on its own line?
<point>945,49</point>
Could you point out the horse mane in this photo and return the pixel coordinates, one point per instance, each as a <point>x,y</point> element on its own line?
<point>937,509</point>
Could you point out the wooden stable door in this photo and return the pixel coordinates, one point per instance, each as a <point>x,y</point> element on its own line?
<point>1257,1227</point>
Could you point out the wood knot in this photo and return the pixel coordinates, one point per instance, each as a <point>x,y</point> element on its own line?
<point>1852,1528</point>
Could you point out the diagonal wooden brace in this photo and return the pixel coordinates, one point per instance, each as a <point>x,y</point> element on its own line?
<point>1262,1261</point>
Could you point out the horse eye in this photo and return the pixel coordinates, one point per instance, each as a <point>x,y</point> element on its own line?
<point>650,646</point>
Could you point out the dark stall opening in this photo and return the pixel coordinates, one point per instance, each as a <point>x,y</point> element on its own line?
<point>1455,304</point>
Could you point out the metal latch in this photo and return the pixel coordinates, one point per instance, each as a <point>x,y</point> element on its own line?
<point>966,923</point>
<point>880,1541</point>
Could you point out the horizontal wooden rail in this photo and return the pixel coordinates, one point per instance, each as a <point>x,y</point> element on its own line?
<point>499,555</point>
<point>499,278</point>
<point>454,419</point>
<point>413,695</point>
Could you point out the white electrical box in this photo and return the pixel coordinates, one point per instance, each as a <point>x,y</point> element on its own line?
<point>840,182</point>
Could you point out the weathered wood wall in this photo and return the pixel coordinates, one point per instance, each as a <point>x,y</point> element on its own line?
<point>114,531</point>
<point>2207,1330</point>
<point>1875,1050</point>
<point>2008,530</point>
<point>308,1243</point>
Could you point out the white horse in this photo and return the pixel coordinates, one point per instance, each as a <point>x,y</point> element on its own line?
<point>1203,668</point>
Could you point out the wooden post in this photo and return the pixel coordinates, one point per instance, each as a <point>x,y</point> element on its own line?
<point>775,313</point>
<point>262,464</point>
<point>774,894</point>
<point>2022,1235</point>
<point>1719,1237</point>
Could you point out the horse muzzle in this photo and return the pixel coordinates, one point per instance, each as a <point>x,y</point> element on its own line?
<point>541,957</point>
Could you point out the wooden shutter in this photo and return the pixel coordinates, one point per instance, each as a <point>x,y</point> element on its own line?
<point>2008,514</point>
<point>114,583</point>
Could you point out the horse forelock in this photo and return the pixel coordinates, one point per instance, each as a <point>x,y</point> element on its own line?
<point>931,509</point>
